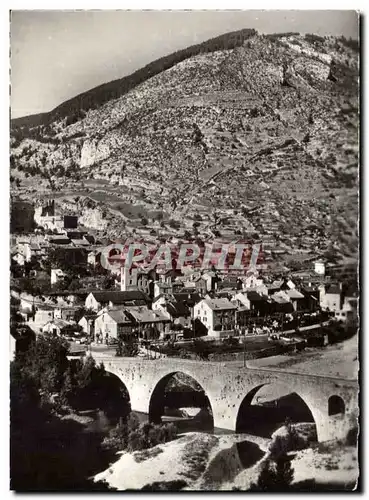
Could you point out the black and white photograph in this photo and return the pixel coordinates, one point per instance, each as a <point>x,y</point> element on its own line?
<point>184,250</point>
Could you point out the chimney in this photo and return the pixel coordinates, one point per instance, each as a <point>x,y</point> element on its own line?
<point>122,281</point>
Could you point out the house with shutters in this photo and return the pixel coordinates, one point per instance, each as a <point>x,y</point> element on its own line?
<point>112,324</point>
<point>218,315</point>
<point>331,297</point>
<point>149,324</point>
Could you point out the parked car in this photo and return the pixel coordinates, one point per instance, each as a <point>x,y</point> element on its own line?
<point>273,338</point>
<point>69,338</point>
<point>81,340</point>
<point>287,339</point>
<point>79,352</point>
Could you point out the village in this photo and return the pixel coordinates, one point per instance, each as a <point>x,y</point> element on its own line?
<point>58,285</point>
<point>184,251</point>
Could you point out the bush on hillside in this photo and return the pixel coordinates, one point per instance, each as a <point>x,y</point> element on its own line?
<point>131,436</point>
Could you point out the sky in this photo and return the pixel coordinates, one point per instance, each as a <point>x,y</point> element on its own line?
<point>56,55</point>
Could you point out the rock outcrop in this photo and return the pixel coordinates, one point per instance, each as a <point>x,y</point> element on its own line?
<point>93,151</point>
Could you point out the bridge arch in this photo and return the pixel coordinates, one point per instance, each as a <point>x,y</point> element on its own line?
<point>266,407</point>
<point>180,390</point>
<point>114,396</point>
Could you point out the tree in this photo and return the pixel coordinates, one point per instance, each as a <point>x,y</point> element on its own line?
<point>16,269</point>
<point>130,435</point>
<point>69,386</point>
<point>80,313</point>
<point>85,374</point>
<point>174,224</point>
<point>45,363</point>
<point>74,285</point>
<point>47,453</point>
<point>108,283</point>
<point>202,349</point>
<point>127,348</point>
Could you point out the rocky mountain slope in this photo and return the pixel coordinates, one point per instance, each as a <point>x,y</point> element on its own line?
<point>258,140</point>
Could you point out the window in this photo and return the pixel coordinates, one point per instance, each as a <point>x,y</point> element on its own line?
<point>336,405</point>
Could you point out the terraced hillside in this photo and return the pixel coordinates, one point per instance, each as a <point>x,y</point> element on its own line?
<point>259,140</point>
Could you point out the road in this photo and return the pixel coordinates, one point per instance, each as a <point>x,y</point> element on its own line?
<point>103,350</point>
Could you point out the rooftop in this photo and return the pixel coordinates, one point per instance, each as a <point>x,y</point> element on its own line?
<point>294,294</point>
<point>178,308</point>
<point>105,296</point>
<point>254,296</point>
<point>119,316</point>
<point>60,323</point>
<point>143,314</point>
<point>220,304</point>
<point>81,242</point>
<point>333,289</point>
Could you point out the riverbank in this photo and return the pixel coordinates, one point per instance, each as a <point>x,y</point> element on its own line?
<point>194,460</point>
<point>197,461</point>
<point>328,466</point>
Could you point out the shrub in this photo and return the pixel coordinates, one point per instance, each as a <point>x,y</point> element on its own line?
<point>127,349</point>
<point>131,436</point>
<point>275,476</point>
<point>174,224</point>
<point>289,441</point>
<point>175,485</point>
<point>311,37</point>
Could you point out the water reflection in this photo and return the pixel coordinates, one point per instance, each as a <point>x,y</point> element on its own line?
<point>249,453</point>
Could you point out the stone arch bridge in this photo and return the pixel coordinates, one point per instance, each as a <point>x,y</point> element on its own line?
<point>226,387</point>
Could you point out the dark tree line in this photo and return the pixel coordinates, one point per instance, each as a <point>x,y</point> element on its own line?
<point>47,452</point>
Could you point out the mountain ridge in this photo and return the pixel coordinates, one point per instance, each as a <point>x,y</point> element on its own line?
<point>120,86</point>
<point>259,139</point>
<point>126,83</point>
